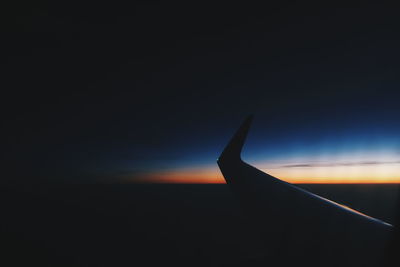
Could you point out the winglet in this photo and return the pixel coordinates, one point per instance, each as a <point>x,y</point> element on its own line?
<point>234,148</point>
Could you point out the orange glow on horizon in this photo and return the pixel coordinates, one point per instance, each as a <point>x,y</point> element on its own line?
<point>316,175</point>
<point>184,176</point>
<point>382,174</point>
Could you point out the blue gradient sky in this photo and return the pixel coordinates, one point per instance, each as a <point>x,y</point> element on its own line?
<point>355,150</point>
<point>158,92</point>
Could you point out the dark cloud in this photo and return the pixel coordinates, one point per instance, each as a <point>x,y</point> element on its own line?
<point>362,163</point>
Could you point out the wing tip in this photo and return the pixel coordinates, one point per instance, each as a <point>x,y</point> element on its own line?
<point>234,148</point>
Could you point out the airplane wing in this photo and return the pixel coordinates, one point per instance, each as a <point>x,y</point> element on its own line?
<point>297,226</point>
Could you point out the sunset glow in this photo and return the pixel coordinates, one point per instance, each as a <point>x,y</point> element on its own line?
<point>338,175</point>
<point>184,176</point>
<point>297,174</point>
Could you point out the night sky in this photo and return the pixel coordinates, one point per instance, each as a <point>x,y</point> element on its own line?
<point>152,92</point>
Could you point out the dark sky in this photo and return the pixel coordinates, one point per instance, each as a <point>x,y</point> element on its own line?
<point>95,91</point>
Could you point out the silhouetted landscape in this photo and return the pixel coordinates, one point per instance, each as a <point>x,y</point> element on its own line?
<point>147,225</point>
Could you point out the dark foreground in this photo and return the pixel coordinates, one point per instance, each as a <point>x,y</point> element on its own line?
<point>147,225</point>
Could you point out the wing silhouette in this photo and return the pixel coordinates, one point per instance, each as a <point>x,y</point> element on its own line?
<point>297,226</point>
